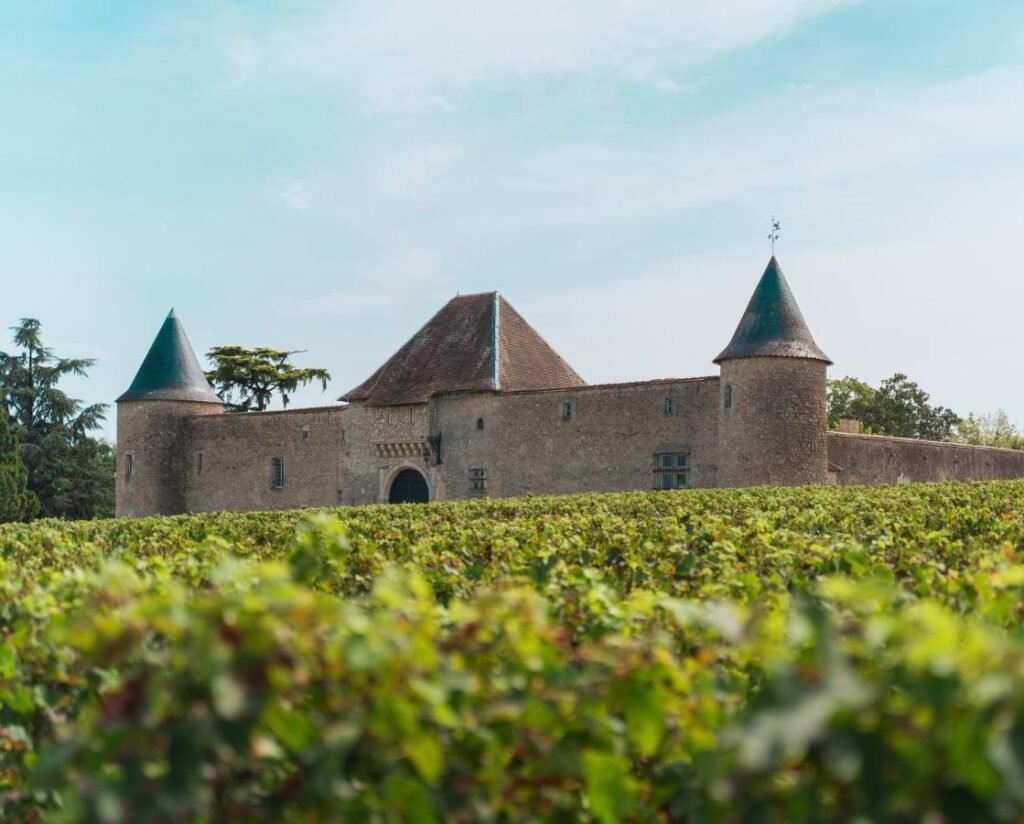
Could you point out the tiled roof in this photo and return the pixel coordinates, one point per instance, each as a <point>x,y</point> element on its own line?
<point>171,371</point>
<point>475,343</point>
<point>772,325</point>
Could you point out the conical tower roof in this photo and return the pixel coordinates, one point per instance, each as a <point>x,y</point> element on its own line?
<point>772,326</point>
<point>474,343</point>
<point>171,371</point>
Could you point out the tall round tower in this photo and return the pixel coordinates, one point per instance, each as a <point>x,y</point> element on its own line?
<point>772,406</point>
<point>169,388</point>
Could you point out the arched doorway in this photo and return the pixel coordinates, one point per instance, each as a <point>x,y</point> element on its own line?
<point>409,487</point>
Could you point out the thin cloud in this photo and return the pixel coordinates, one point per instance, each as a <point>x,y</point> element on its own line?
<point>411,53</point>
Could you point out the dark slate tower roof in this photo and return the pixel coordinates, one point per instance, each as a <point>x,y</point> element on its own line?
<point>772,326</point>
<point>171,371</point>
<point>474,343</point>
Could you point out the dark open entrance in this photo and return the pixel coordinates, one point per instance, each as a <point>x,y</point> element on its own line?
<point>409,487</point>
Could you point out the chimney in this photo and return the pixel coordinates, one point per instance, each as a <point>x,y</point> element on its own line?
<point>849,425</point>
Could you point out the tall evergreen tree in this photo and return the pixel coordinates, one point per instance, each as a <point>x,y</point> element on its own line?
<point>67,469</point>
<point>17,502</point>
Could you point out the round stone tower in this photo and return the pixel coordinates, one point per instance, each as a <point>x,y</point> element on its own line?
<point>152,452</point>
<point>772,407</point>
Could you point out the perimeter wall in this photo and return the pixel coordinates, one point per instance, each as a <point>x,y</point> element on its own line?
<point>875,459</point>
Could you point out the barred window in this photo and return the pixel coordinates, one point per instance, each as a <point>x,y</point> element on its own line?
<point>477,479</point>
<point>671,470</point>
<point>277,473</point>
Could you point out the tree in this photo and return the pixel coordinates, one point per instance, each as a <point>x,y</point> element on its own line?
<point>247,379</point>
<point>992,429</point>
<point>848,397</point>
<point>17,501</point>
<point>899,407</point>
<point>67,469</point>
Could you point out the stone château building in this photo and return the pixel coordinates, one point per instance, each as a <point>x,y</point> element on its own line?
<point>478,404</point>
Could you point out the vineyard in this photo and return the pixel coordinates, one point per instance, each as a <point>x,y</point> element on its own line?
<point>805,655</point>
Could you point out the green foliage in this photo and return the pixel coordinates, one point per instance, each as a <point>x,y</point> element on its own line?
<point>247,379</point>
<point>899,408</point>
<point>848,397</point>
<point>995,429</point>
<point>798,655</point>
<point>17,502</point>
<point>70,473</point>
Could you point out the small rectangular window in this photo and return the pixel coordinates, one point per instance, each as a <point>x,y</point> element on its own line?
<point>277,473</point>
<point>671,470</point>
<point>199,463</point>
<point>728,396</point>
<point>568,412</point>
<point>477,479</point>
<point>128,467</point>
<point>670,406</point>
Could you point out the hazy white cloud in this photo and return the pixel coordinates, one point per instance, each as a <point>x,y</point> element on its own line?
<point>410,54</point>
<point>294,193</point>
<point>790,141</point>
<point>374,287</point>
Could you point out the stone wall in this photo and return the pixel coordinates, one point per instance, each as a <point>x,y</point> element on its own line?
<point>150,434</point>
<point>228,460</point>
<point>875,459</point>
<point>332,455</point>
<point>188,458</point>
<point>523,442</point>
<point>773,428</point>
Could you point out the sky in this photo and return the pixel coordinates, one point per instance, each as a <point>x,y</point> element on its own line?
<point>323,176</point>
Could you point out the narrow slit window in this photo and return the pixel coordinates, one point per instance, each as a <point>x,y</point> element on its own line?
<point>277,473</point>
<point>728,396</point>
<point>128,467</point>
<point>568,411</point>
<point>199,463</point>
<point>670,407</point>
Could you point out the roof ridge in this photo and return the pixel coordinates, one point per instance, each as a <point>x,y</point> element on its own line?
<point>543,340</point>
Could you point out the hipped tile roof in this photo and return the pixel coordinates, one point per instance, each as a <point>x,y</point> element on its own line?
<point>474,343</point>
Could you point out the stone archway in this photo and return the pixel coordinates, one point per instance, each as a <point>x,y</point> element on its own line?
<point>409,487</point>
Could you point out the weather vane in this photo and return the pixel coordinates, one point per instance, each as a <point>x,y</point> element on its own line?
<point>773,235</point>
